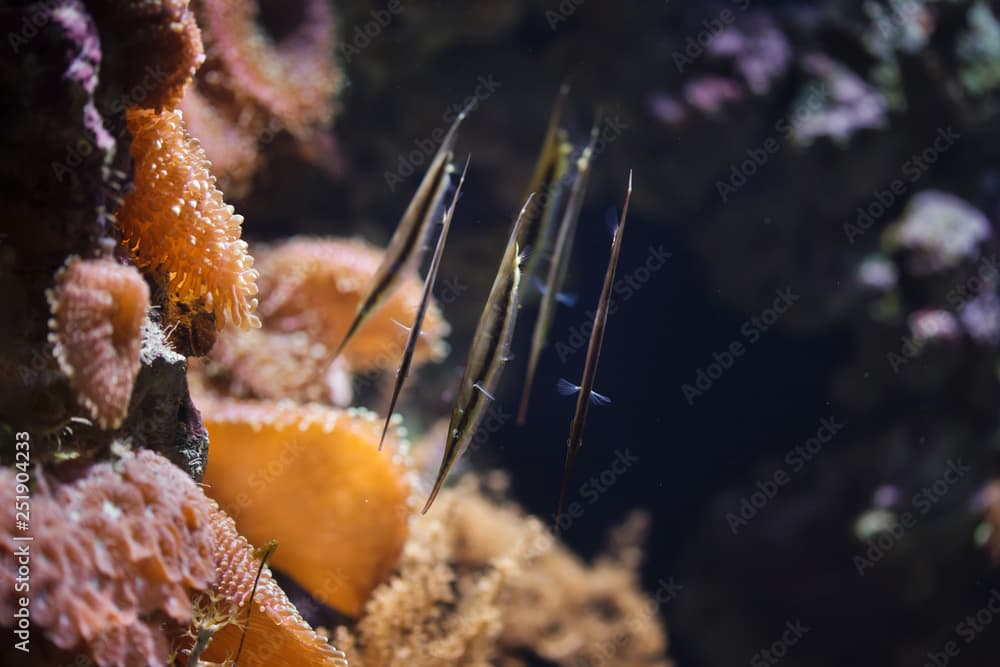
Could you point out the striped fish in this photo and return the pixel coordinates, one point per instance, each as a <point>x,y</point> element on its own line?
<point>408,240</point>
<point>585,391</point>
<point>487,355</point>
<point>414,335</point>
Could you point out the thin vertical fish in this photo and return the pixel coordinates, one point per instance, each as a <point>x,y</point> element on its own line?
<point>408,240</point>
<point>586,388</point>
<point>487,355</point>
<point>557,270</point>
<point>550,169</point>
<point>411,341</point>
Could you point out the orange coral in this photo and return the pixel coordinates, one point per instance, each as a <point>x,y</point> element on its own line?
<point>179,228</point>
<point>480,583</point>
<point>312,478</point>
<point>293,80</point>
<point>98,308</point>
<point>276,634</point>
<point>315,285</point>
<point>310,288</point>
<point>117,555</point>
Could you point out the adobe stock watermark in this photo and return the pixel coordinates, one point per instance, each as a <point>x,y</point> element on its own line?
<point>597,486</point>
<point>927,326</point>
<point>779,648</point>
<point>752,330</point>
<point>695,45</point>
<point>740,173</point>
<point>36,17</point>
<point>610,129</point>
<point>363,35</point>
<point>561,13</point>
<point>795,460</point>
<point>424,148</point>
<point>967,630</point>
<point>912,170</point>
<point>625,287</point>
<point>887,536</point>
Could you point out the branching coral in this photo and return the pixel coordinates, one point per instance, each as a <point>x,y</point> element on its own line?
<point>312,478</point>
<point>98,308</point>
<point>310,288</point>
<point>481,584</point>
<point>120,552</point>
<point>179,228</point>
<point>276,634</point>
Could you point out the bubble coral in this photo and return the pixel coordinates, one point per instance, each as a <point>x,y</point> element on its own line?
<point>480,583</point>
<point>276,634</point>
<point>179,228</point>
<point>312,478</point>
<point>98,308</point>
<point>125,546</point>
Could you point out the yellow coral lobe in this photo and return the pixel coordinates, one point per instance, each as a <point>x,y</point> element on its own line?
<point>311,478</point>
<point>177,225</point>
<point>315,285</point>
<point>98,307</point>
<point>276,635</point>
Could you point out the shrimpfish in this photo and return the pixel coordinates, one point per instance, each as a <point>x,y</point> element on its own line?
<point>408,240</point>
<point>585,391</point>
<point>487,355</point>
<point>414,335</point>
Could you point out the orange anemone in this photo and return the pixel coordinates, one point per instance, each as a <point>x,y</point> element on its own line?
<point>312,478</point>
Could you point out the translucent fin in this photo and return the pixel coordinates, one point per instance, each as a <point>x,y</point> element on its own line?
<point>611,220</point>
<point>599,399</point>
<point>568,300</point>
<point>567,388</point>
<point>485,393</point>
<point>406,328</point>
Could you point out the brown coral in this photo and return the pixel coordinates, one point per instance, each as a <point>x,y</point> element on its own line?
<point>312,478</point>
<point>160,47</point>
<point>276,634</point>
<point>481,584</point>
<point>179,228</point>
<point>116,556</point>
<point>98,308</point>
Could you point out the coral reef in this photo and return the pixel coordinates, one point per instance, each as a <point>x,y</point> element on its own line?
<point>98,309</point>
<point>275,633</point>
<point>309,290</point>
<point>121,550</point>
<point>482,584</point>
<point>313,479</point>
<point>178,227</point>
<point>258,82</point>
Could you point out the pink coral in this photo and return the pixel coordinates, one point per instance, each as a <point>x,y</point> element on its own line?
<point>98,307</point>
<point>117,555</point>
